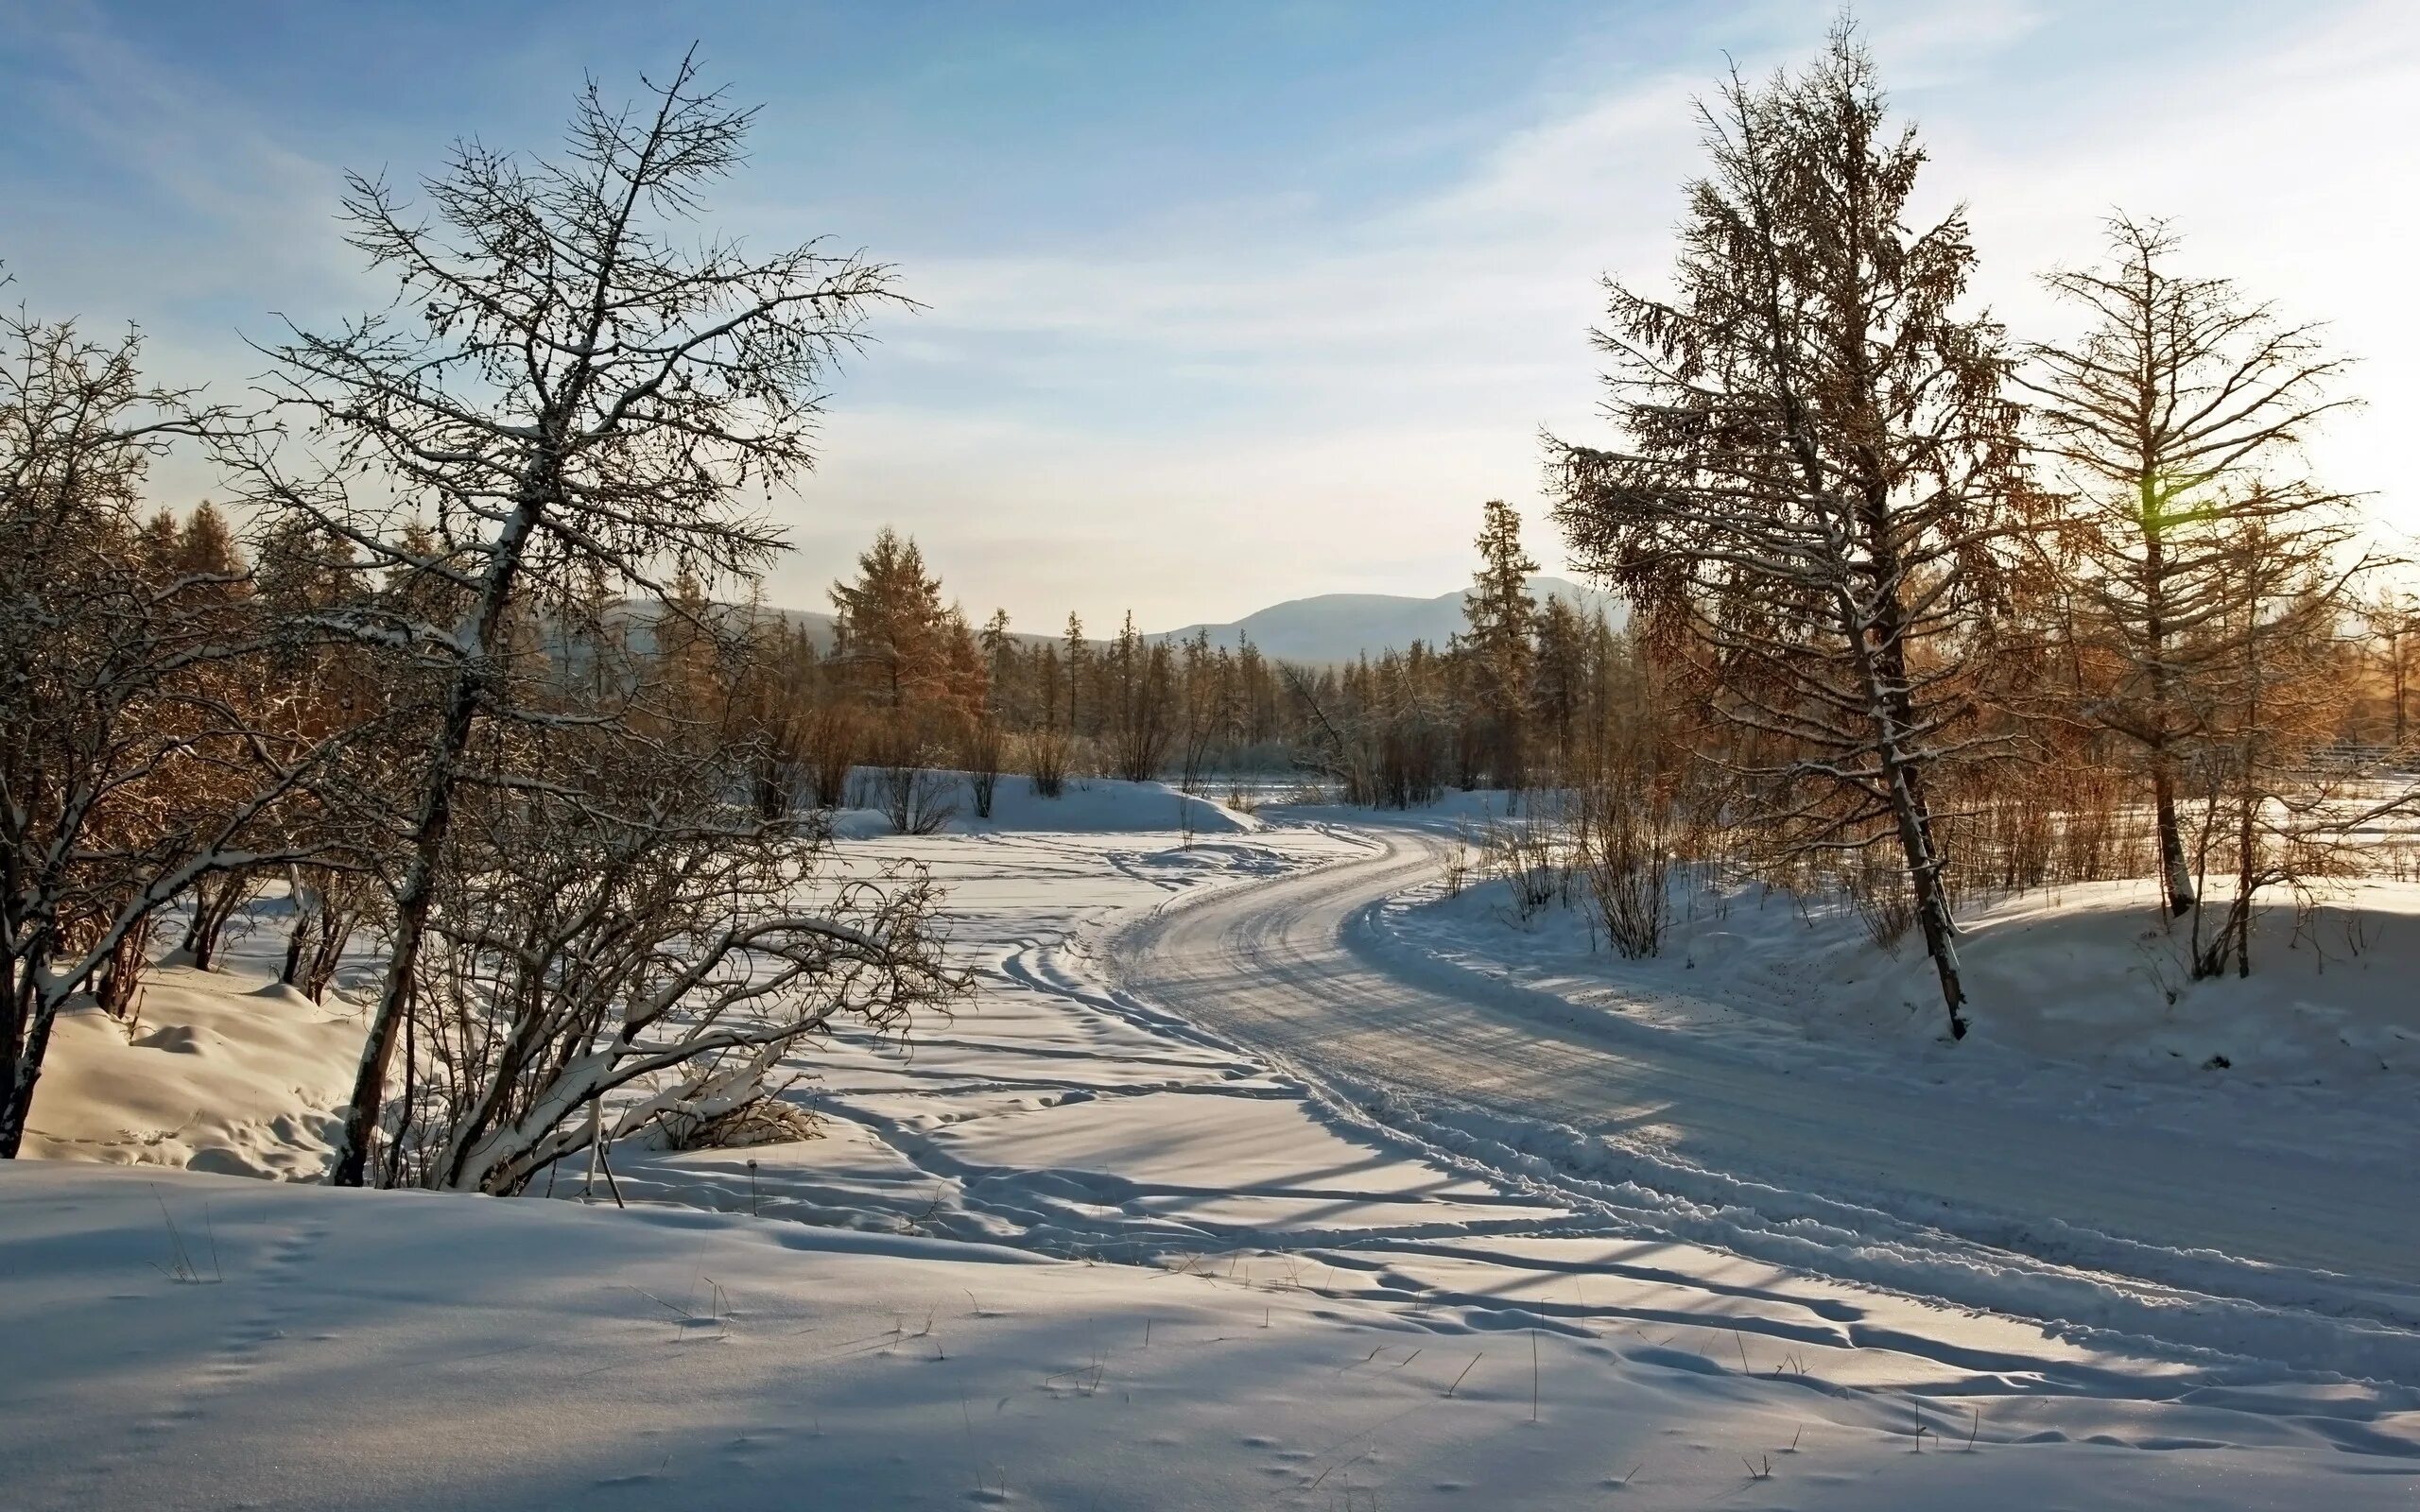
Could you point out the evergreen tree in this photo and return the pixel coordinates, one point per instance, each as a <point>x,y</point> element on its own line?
<point>1077,658</point>
<point>891,634</point>
<point>1560,680</point>
<point>1816,474</point>
<point>1500,643</point>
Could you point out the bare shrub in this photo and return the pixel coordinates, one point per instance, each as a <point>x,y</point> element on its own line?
<point>1629,862</point>
<point>765,1120</point>
<point>829,745</point>
<point>1046,755</point>
<point>2093,845</point>
<point>914,796</point>
<point>1887,911</point>
<point>628,943</point>
<point>986,749</point>
<point>1458,866</point>
<point>1310,788</point>
<point>1522,853</point>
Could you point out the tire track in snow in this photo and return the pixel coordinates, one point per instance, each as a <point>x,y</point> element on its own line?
<point>1511,1094</point>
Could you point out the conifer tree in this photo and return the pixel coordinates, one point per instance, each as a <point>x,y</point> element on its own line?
<point>2175,423</point>
<point>1816,470</point>
<point>1501,642</point>
<point>892,631</point>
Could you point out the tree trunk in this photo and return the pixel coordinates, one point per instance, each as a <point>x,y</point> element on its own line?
<point>302,940</point>
<point>120,978</point>
<point>327,954</point>
<point>464,693</point>
<point>24,1073</point>
<point>2247,836</point>
<point>2175,867</point>
<point>1883,663</point>
<point>1931,897</point>
<point>2176,874</point>
<point>214,907</point>
<point>1912,817</point>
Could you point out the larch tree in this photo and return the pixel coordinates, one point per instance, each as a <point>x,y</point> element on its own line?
<point>1814,467</point>
<point>1560,688</point>
<point>1501,641</point>
<point>1001,667</point>
<point>893,629</point>
<point>572,390</point>
<point>2174,423</point>
<point>2393,617</point>
<point>1076,660</point>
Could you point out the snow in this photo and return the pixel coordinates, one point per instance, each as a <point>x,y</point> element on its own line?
<point>357,1350</point>
<point>222,1071</point>
<point>2089,978</point>
<point>1275,1229</point>
<point>2084,975</point>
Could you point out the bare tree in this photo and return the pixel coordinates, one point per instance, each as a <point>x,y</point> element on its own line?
<point>2173,421</point>
<point>2283,586</point>
<point>2394,620</point>
<point>135,763</point>
<point>1816,465</point>
<point>576,395</point>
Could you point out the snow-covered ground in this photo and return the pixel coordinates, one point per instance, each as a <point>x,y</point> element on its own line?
<point>2084,975</point>
<point>2081,1001</point>
<point>343,1350</point>
<point>1107,1238</point>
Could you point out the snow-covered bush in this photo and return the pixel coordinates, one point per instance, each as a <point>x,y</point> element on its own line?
<point>616,940</point>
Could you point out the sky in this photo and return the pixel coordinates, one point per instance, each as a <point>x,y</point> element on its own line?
<point>1222,304</point>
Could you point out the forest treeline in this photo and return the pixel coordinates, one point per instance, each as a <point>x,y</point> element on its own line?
<point>909,681</point>
<point>467,661</point>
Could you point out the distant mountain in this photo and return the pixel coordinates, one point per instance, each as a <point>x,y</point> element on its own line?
<point>1341,626</point>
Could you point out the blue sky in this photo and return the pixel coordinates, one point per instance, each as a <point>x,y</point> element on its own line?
<point>1226,304</point>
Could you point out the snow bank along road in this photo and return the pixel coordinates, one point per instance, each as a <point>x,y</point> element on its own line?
<point>2247,1249</point>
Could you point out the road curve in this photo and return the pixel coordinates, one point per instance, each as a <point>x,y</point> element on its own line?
<point>1278,966</point>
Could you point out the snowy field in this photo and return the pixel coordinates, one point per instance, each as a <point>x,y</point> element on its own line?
<point>1257,1173</point>
<point>2074,984</point>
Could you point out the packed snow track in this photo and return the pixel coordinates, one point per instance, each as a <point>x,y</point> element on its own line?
<point>1918,1185</point>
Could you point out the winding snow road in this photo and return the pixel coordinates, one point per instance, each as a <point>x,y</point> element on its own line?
<point>1290,968</point>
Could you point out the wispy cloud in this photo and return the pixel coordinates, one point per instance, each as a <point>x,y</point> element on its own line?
<point>1308,377</point>
<point>1343,384</point>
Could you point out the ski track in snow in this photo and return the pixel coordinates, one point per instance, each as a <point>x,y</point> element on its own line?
<point>1255,975</point>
